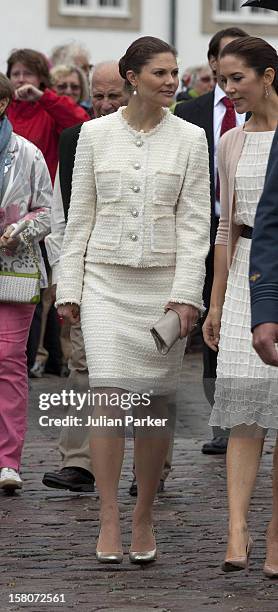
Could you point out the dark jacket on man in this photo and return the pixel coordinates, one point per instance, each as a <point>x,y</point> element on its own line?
<point>67,149</point>
<point>200,112</point>
<point>264,250</point>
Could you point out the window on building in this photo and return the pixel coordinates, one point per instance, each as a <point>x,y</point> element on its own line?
<point>231,10</point>
<point>95,8</point>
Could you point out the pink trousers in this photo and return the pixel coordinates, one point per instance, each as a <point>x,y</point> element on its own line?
<point>15,321</point>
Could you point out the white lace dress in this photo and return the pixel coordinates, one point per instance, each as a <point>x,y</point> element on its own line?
<point>246,389</point>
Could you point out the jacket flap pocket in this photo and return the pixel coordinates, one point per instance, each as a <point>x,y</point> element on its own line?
<point>167,187</point>
<point>107,232</point>
<point>163,235</point>
<point>108,183</point>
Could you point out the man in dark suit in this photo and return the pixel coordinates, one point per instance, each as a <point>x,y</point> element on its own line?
<point>264,289</point>
<point>264,253</point>
<point>210,112</point>
<point>264,265</point>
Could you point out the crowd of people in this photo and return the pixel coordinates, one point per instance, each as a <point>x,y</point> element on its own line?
<point>124,203</point>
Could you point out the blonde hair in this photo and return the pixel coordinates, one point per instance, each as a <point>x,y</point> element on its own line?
<point>65,70</point>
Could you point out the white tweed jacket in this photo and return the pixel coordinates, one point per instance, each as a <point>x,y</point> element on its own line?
<point>138,199</point>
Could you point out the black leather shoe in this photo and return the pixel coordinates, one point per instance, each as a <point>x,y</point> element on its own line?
<point>70,478</point>
<point>217,446</point>
<point>133,487</point>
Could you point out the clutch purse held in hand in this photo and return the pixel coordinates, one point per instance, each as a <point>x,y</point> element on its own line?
<point>166,331</point>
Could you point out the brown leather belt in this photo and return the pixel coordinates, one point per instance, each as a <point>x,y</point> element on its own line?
<point>247,232</point>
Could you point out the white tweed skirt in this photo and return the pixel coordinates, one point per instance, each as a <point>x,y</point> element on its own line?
<point>119,306</point>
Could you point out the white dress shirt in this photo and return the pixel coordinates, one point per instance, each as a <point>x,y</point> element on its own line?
<point>218,115</point>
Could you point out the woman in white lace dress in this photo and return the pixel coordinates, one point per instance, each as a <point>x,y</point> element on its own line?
<point>246,390</point>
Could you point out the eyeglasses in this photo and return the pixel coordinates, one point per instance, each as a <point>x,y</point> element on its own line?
<point>64,86</point>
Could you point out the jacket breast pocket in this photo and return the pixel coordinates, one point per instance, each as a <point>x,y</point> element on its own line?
<point>167,186</point>
<point>163,234</point>
<point>107,232</point>
<point>108,184</point>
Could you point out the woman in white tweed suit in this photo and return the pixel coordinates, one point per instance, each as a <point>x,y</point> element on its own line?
<point>136,239</point>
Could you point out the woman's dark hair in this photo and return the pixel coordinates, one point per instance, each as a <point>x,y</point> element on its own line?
<point>214,43</point>
<point>6,88</point>
<point>140,52</point>
<point>256,53</point>
<point>34,61</point>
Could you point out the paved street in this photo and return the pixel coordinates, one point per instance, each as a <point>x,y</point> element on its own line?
<point>48,537</point>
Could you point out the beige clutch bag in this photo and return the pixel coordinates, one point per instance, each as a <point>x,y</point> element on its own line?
<point>166,331</point>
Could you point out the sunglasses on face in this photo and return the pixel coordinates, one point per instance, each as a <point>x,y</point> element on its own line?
<point>65,86</point>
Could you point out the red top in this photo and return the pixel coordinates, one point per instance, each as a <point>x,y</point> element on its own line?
<point>43,121</point>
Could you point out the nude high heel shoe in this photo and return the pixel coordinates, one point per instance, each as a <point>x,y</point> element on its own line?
<point>270,569</point>
<point>143,557</point>
<point>270,572</point>
<point>109,557</point>
<point>235,564</point>
<point>103,557</point>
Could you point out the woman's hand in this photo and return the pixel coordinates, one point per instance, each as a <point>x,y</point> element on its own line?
<point>188,315</point>
<point>9,243</point>
<point>211,328</point>
<point>71,312</point>
<point>28,93</point>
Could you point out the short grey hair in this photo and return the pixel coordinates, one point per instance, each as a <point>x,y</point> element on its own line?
<point>195,71</point>
<point>65,54</point>
<point>107,64</point>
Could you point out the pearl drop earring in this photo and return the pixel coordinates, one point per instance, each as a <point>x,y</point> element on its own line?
<point>135,92</point>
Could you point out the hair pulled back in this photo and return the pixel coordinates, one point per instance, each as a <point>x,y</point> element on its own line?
<point>256,53</point>
<point>140,52</point>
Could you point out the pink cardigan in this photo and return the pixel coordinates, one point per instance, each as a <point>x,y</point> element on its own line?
<point>229,152</point>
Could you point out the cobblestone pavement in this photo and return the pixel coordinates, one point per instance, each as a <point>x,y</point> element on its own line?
<point>48,536</point>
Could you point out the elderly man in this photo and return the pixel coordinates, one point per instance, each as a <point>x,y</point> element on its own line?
<point>201,82</point>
